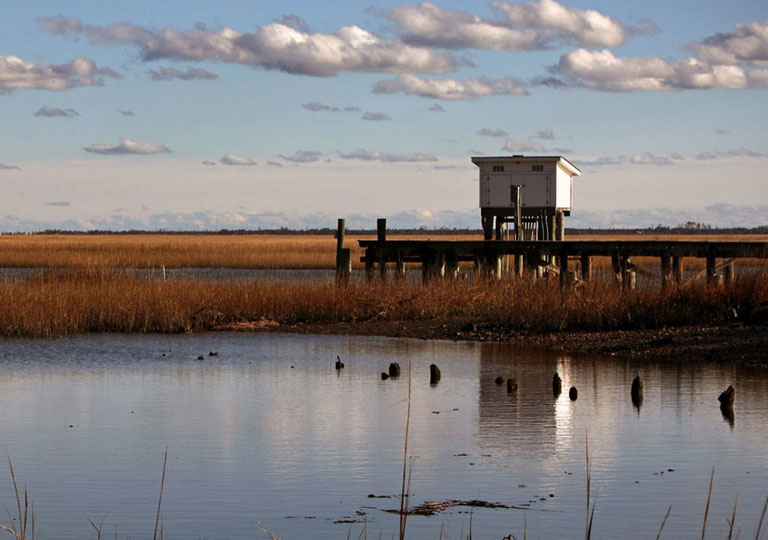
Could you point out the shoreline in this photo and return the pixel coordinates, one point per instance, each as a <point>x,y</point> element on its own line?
<point>728,341</point>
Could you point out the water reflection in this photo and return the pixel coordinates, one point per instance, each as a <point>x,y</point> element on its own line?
<point>270,429</point>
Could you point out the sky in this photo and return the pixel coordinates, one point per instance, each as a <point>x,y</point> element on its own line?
<point>199,115</point>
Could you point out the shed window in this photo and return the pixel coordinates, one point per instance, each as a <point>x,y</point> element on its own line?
<point>498,168</point>
<point>537,167</point>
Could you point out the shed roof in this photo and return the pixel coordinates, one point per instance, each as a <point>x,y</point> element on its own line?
<point>562,161</point>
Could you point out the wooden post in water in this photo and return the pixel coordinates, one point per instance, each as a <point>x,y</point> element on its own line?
<point>343,266</point>
<point>399,266</point>
<point>728,274</point>
<point>665,271</point>
<point>370,257</point>
<point>586,268</point>
<point>340,263</point>
<point>711,265</point>
<point>381,237</point>
<point>564,278</point>
<point>678,269</point>
<point>616,265</point>
<point>451,265</point>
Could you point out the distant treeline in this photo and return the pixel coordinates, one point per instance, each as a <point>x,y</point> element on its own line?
<point>688,228</point>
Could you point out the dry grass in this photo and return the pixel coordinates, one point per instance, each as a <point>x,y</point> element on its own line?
<point>230,251</point>
<point>71,302</point>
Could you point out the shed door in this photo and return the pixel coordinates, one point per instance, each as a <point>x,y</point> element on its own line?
<point>536,192</point>
<point>498,190</point>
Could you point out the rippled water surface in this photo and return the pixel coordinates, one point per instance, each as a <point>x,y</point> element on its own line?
<point>268,436</point>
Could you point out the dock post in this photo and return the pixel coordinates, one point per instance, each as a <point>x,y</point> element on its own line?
<point>616,264</point>
<point>711,265</point>
<point>343,266</point>
<point>728,274</point>
<point>451,265</point>
<point>628,276</point>
<point>399,266</point>
<point>343,262</point>
<point>381,237</point>
<point>563,270</point>
<point>381,230</point>
<point>370,257</point>
<point>498,227</point>
<point>586,268</point>
<point>560,225</point>
<point>678,269</point>
<point>665,271</point>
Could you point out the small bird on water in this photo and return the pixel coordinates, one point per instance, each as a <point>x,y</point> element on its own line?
<point>339,363</point>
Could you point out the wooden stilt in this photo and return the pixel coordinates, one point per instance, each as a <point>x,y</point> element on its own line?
<point>586,268</point>
<point>666,271</point>
<point>343,266</point>
<point>399,266</point>
<point>729,273</point>
<point>616,265</point>
<point>563,270</point>
<point>711,272</point>
<point>678,269</point>
<point>451,265</point>
<point>370,257</point>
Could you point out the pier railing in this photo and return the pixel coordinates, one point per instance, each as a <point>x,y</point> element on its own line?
<point>568,259</point>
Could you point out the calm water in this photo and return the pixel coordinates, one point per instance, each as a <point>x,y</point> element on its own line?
<point>268,435</point>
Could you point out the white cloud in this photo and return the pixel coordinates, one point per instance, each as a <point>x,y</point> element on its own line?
<point>58,203</point>
<point>169,73</point>
<point>209,163</point>
<point>718,65</point>
<point>54,112</point>
<point>15,74</point>
<point>127,146</point>
<point>649,159</point>
<point>232,159</point>
<point>450,89</point>
<point>527,26</point>
<point>274,46</point>
<point>523,146</point>
<point>703,156</point>
<point>4,167</point>
<point>436,108</point>
<point>376,116</point>
<point>303,156</point>
<point>488,132</point>
<point>749,43</point>
<point>384,157</point>
<point>125,113</point>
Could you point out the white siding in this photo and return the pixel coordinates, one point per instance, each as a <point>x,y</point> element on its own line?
<point>563,191</point>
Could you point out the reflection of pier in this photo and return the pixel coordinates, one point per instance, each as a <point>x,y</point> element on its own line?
<point>441,258</point>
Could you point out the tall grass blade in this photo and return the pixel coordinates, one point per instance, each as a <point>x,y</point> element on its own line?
<point>762,517</point>
<point>733,517</point>
<point>663,522</point>
<point>706,510</point>
<point>160,499</point>
<point>403,502</point>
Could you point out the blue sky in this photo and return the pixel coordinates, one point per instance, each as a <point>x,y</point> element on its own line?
<point>239,114</point>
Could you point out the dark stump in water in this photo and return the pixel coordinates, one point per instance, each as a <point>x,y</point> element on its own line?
<point>434,374</point>
<point>384,376</point>
<point>557,385</point>
<point>499,380</point>
<point>394,369</point>
<point>637,391</point>
<point>573,393</point>
<point>511,385</point>
<point>726,398</point>
<point>339,363</point>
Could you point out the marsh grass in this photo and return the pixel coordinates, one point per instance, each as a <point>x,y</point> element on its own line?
<point>71,302</point>
<point>257,251</point>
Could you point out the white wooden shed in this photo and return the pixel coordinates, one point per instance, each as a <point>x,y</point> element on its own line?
<point>546,181</point>
<point>544,185</point>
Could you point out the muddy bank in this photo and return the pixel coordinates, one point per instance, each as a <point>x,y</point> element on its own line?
<point>726,341</point>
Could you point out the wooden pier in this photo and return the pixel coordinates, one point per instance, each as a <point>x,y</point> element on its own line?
<point>568,259</point>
